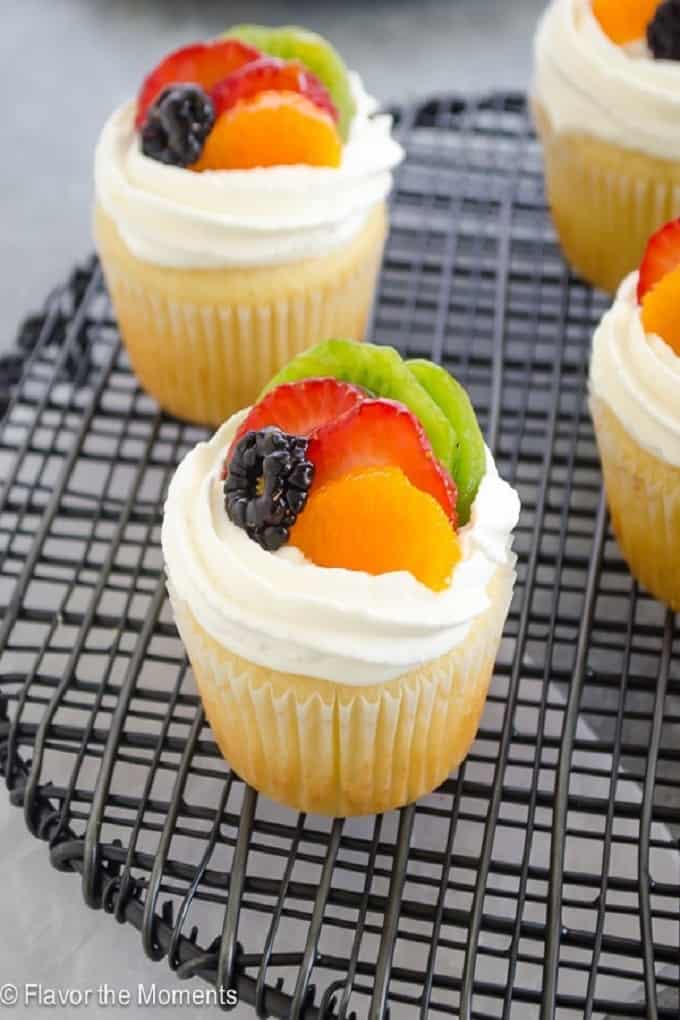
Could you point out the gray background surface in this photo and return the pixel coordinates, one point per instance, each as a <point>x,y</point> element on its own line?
<point>64,64</point>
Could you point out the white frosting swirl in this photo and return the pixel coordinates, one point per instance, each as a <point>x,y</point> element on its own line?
<point>588,84</point>
<point>638,376</point>
<point>171,216</point>
<point>283,612</point>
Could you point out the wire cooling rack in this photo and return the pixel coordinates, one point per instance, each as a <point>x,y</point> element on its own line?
<point>543,880</point>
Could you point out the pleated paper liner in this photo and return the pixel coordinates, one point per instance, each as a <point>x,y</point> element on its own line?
<point>606,201</point>
<point>643,494</point>
<point>205,342</point>
<point>345,750</point>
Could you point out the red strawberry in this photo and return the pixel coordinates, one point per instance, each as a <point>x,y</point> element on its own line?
<point>661,257</point>
<point>300,408</point>
<point>203,64</point>
<point>271,74</point>
<point>381,433</point>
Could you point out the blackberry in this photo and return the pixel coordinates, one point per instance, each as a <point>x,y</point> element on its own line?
<point>267,485</point>
<point>177,125</point>
<point>663,31</point>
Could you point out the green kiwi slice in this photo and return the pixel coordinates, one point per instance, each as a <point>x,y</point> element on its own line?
<point>470,464</point>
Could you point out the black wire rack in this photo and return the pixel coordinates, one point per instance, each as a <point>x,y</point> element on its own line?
<point>543,880</point>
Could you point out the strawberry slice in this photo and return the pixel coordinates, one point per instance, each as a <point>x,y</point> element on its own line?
<point>300,408</point>
<point>272,74</point>
<point>381,433</point>
<point>203,64</point>
<point>661,257</point>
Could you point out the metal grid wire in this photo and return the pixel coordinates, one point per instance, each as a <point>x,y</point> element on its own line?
<point>543,880</point>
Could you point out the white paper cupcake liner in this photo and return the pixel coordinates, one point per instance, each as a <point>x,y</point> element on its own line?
<point>346,750</point>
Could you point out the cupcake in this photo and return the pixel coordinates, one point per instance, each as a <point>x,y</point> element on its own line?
<point>635,400</point>
<point>606,98</point>
<point>240,214</point>
<point>339,564</point>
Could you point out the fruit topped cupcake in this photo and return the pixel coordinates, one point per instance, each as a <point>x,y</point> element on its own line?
<point>635,400</point>
<point>339,563</point>
<point>240,213</point>
<point>607,100</point>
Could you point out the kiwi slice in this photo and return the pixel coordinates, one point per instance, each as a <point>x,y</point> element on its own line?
<point>292,43</point>
<point>382,372</point>
<point>470,464</point>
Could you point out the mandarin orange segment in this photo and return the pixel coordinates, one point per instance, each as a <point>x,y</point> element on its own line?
<point>624,21</point>
<point>272,129</point>
<point>661,310</point>
<point>376,521</point>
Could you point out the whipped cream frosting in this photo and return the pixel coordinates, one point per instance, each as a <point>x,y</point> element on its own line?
<point>638,375</point>
<point>588,84</point>
<point>172,216</point>
<point>283,612</point>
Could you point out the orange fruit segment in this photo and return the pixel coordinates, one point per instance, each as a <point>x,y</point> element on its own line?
<point>624,21</point>
<point>272,129</point>
<point>377,522</point>
<point>661,309</point>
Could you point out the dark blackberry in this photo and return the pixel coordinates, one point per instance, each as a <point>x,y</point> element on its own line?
<point>267,485</point>
<point>177,125</point>
<point>663,31</point>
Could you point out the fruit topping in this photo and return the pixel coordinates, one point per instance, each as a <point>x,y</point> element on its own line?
<point>661,257</point>
<point>661,310</point>
<point>272,74</point>
<point>177,125</point>
<point>663,32</point>
<point>272,129</point>
<point>659,285</point>
<point>312,50</point>
<point>301,408</point>
<point>267,485</point>
<point>381,371</point>
<point>381,433</point>
<point>376,521</point>
<point>450,396</point>
<point>203,64</point>
<point>624,21</point>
